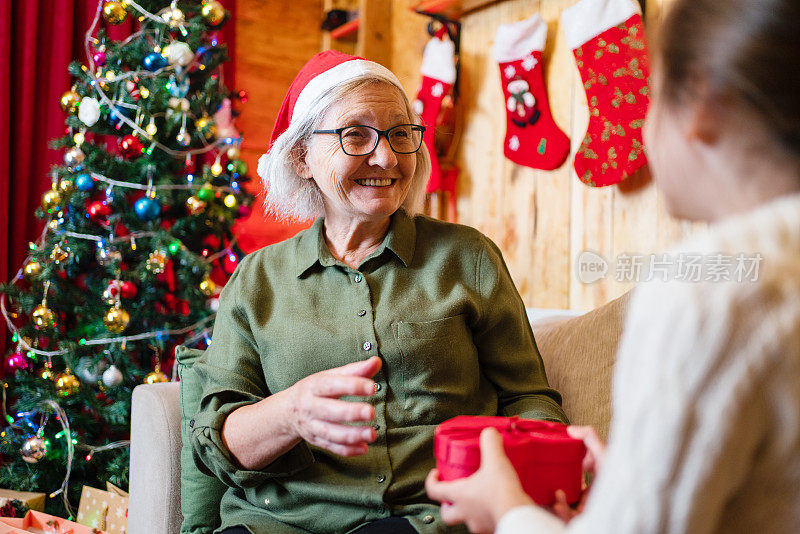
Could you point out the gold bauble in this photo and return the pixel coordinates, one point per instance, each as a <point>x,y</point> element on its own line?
<point>46,373</point>
<point>43,317</point>
<point>156,377</point>
<point>213,12</point>
<point>51,200</point>
<point>70,100</point>
<point>195,205</point>
<point>114,12</point>
<point>67,383</point>
<point>156,262</point>
<point>173,16</point>
<point>60,253</point>
<point>53,225</point>
<point>66,186</point>
<point>207,286</point>
<point>116,320</point>
<point>32,270</point>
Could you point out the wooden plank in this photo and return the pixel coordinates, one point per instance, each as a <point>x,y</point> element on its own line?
<point>375,31</point>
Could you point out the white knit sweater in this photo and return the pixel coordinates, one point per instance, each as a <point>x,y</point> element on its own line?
<point>705,436</point>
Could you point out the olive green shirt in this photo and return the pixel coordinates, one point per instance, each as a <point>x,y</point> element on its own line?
<point>435,301</point>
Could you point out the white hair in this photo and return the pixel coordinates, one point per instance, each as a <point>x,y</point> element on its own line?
<point>288,195</point>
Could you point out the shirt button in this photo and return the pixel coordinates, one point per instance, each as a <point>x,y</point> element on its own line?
<point>357,278</point>
<point>381,479</point>
<point>191,423</point>
<point>377,387</point>
<point>362,313</point>
<point>266,501</point>
<point>428,519</point>
<point>367,345</point>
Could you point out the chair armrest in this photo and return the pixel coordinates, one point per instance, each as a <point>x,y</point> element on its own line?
<point>155,470</point>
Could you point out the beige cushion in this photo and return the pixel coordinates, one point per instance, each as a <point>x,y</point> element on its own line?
<point>154,505</point>
<point>579,356</point>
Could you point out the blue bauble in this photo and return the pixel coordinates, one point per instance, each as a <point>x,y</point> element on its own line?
<point>147,208</point>
<point>176,88</point>
<point>154,61</point>
<point>114,116</point>
<point>84,182</point>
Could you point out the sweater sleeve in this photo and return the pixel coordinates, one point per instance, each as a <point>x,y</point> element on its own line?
<point>232,376</point>
<point>507,350</point>
<point>689,415</point>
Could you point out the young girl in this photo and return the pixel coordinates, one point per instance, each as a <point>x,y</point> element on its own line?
<point>706,430</point>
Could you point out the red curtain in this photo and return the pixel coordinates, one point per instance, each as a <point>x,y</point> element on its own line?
<point>38,39</point>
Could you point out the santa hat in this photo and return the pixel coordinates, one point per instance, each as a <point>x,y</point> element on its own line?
<point>322,73</point>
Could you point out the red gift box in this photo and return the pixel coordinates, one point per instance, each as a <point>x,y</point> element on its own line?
<point>545,457</point>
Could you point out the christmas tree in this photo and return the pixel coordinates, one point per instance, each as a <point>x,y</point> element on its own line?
<point>136,243</point>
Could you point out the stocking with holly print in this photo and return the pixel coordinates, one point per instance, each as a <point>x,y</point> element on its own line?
<point>607,39</point>
<point>438,75</point>
<point>532,138</point>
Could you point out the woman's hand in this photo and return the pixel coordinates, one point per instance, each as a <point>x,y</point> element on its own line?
<point>316,413</point>
<point>592,462</point>
<point>479,501</point>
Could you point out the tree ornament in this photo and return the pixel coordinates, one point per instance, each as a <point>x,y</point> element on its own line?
<point>154,61</point>
<point>66,186</point>
<point>60,253</point>
<point>74,157</point>
<point>110,294</point>
<point>116,320</point>
<point>67,383</point>
<point>229,262</point>
<point>45,373</point>
<point>84,182</point>
<point>112,376</point>
<point>127,289</point>
<point>173,16</point>
<point>114,12</point>
<point>178,53</point>
<point>69,100</point>
<point>99,58</point>
<point>156,262</point>
<point>51,201</point>
<point>213,12</point>
<point>206,126</point>
<point>178,89</point>
<point>98,211</point>
<point>33,449</point>
<point>195,205</point>
<point>53,225</point>
<point>205,193</point>
<point>107,255</point>
<point>130,147</point>
<point>230,201</point>
<point>43,317</point>
<point>115,117</point>
<point>207,286</point>
<point>147,208</point>
<point>183,137</point>
<point>89,111</point>
<point>156,376</point>
<point>32,270</point>
<point>16,361</point>
<point>89,372</point>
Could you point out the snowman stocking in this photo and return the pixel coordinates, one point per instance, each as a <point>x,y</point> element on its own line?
<point>607,39</point>
<point>532,138</point>
<point>438,75</point>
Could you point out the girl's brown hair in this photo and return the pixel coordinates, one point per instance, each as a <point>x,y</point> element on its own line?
<point>744,49</point>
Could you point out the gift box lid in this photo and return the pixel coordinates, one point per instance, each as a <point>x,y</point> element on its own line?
<point>456,441</point>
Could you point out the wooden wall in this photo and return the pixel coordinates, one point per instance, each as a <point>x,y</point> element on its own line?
<point>541,220</point>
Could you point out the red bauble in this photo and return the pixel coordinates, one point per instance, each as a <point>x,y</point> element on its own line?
<point>130,147</point>
<point>229,262</point>
<point>16,361</point>
<point>120,230</point>
<point>127,289</point>
<point>98,211</point>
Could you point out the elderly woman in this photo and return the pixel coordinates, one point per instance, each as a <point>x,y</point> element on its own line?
<point>336,353</point>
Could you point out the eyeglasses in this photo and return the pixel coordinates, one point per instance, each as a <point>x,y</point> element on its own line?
<point>361,140</point>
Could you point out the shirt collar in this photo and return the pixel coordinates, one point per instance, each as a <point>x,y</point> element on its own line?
<point>400,239</point>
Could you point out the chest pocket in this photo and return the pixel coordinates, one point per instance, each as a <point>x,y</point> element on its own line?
<point>439,368</point>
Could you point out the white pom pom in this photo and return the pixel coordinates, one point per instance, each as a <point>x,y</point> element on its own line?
<point>89,111</point>
<point>213,304</point>
<point>262,167</point>
<point>112,377</point>
<point>178,53</point>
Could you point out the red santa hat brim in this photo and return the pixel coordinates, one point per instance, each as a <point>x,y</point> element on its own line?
<point>321,74</point>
